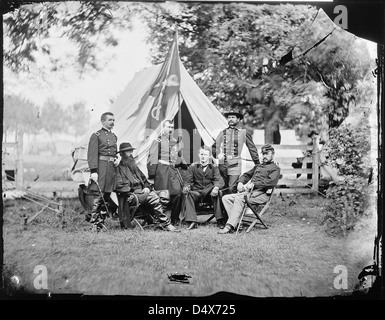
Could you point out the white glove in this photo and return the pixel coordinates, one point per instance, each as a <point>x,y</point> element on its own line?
<point>240,187</point>
<point>116,162</point>
<point>214,192</point>
<point>146,190</point>
<point>94,176</point>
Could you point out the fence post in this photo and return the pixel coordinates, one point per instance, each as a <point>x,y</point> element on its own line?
<point>19,159</point>
<point>315,158</point>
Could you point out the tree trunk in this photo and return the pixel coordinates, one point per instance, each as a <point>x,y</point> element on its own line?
<point>272,134</point>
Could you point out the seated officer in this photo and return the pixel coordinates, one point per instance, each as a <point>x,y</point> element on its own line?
<point>130,179</point>
<point>202,184</point>
<point>255,182</point>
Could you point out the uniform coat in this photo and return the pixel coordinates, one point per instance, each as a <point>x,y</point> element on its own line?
<point>231,142</point>
<point>264,176</point>
<point>102,143</point>
<point>163,156</point>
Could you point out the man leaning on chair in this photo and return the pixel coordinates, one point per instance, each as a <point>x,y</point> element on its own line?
<point>254,182</point>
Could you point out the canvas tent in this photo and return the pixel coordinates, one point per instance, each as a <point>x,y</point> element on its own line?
<point>199,117</point>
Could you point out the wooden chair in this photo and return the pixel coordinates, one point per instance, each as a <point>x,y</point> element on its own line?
<point>255,218</point>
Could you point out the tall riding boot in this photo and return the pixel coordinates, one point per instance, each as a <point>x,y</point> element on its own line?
<point>154,202</point>
<point>96,217</point>
<point>164,197</point>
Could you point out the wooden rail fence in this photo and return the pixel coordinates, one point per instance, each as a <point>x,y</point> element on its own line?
<point>304,179</point>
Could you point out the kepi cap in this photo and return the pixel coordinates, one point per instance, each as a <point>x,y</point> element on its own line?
<point>267,147</point>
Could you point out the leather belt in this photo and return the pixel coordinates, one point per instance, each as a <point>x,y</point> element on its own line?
<point>106,158</point>
<point>166,162</point>
<point>231,157</point>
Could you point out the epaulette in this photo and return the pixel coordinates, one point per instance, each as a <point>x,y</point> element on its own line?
<point>97,133</point>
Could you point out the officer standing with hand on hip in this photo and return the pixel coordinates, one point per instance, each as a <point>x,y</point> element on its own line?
<point>102,159</point>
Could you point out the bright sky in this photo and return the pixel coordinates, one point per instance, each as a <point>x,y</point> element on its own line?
<point>96,90</point>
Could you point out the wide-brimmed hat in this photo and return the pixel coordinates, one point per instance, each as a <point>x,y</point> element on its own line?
<point>125,146</point>
<point>234,112</point>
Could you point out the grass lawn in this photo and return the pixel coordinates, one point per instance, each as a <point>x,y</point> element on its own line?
<point>295,257</point>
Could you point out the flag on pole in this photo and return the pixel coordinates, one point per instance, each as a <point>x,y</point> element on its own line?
<point>164,91</point>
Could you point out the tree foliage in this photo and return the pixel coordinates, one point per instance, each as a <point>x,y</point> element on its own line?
<point>32,31</point>
<point>283,65</point>
<point>235,52</point>
<point>348,149</point>
<point>20,114</point>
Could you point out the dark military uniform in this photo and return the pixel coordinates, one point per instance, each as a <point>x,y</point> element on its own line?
<point>231,142</point>
<point>102,150</point>
<point>163,156</point>
<point>263,176</point>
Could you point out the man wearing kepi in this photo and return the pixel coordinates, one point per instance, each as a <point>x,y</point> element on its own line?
<point>256,182</point>
<point>130,180</point>
<point>228,147</point>
<point>102,159</point>
<point>203,183</point>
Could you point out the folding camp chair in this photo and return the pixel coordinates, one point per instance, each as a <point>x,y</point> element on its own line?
<point>139,213</point>
<point>255,218</point>
<point>140,216</point>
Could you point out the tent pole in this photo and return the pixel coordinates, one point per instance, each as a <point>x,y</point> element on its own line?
<point>180,134</point>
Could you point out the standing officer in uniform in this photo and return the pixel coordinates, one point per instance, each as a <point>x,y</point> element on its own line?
<point>228,147</point>
<point>102,160</point>
<point>164,155</point>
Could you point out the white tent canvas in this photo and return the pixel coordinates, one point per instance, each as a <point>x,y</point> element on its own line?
<point>130,118</point>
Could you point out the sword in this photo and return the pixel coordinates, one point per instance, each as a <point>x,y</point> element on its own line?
<point>101,194</point>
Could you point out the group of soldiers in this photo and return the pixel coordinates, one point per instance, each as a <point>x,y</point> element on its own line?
<point>216,178</point>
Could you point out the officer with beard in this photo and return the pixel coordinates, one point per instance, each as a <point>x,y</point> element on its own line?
<point>254,183</point>
<point>228,147</point>
<point>130,179</point>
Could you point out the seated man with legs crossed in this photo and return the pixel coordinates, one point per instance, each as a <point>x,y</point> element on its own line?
<point>255,182</point>
<point>202,184</point>
<point>130,179</point>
